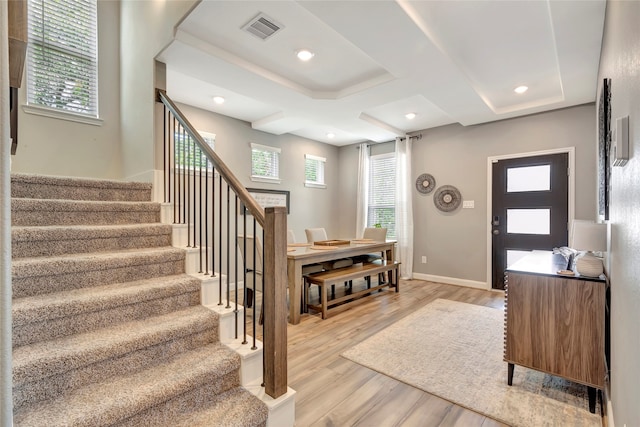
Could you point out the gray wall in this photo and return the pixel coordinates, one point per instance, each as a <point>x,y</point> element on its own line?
<point>59,147</point>
<point>310,207</point>
<point>619,61</point>
<point>455,243</point>
<point>146,27</point>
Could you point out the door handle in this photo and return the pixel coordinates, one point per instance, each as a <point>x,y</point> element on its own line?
<point>496,232</point>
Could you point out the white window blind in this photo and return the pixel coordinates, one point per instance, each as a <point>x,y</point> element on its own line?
<point>382,187</point>
<point>188,154</point>
<point>265,163</point>
<point>314,171</point>
<point>62,58</point>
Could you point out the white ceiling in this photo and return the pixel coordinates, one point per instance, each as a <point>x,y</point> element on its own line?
<point>375,61</point>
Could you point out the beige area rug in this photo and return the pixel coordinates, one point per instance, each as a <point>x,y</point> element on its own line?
<point>454,350</point>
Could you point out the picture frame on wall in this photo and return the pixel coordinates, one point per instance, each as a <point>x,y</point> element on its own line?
<point>266,198</point>
<point>604,147</point>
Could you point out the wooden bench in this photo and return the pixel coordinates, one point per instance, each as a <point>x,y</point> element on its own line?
<point>324,279</point>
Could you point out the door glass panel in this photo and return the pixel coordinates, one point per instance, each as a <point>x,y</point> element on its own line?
<point>513,256</point>
<point>528,221</point>
<point>529,178</point>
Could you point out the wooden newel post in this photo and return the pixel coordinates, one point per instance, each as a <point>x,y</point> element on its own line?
<point>275,301</point>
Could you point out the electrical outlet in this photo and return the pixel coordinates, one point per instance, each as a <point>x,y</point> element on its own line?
<point>424,259</point>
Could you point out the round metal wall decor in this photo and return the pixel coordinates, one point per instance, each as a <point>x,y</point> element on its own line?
<point>447,198</point>
<point>425,183</point>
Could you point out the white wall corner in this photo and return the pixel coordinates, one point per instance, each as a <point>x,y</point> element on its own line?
<point>146,176</point>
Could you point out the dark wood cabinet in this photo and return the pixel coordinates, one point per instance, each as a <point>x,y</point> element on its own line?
<point>555,323</point>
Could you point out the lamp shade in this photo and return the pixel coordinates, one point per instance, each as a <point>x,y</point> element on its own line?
<point>588,236</point>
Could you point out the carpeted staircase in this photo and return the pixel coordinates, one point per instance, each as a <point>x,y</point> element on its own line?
<point>107,327</point>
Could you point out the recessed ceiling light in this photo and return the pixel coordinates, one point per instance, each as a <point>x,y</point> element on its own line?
<point>331,135</point>
<point>218,99</point>
<point>410,116</point>
<point>521,89</point>
<point>304,55</point>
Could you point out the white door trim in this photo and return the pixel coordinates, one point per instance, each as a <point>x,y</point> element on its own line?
<point>571,151</point>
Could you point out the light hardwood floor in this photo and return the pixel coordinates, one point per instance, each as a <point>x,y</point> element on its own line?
<point>333,391</point>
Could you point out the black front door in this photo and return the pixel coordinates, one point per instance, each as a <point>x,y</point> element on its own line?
<point>530,208</point>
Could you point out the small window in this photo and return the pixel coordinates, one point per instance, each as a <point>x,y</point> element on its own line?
<point>529,178</point>
<point>186,153</point>
<point>265,163</point>
<point>529,221</point>
<point>62,56</point>
<point>314,171</point>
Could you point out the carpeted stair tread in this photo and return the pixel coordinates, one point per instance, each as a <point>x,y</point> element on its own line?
<point>57,187</point>
<point>110,401</point>
<point>42,212</point>
<point>71,239</point>
<point>60,314</point>
<point>36,361</point>
<point>35,275</point>
<point>78,301</point>
<point>234,408</point>
<point>80,205</point>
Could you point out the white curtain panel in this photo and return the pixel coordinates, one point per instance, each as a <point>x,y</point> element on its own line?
<point>404,207</point>
<point>363,190</point>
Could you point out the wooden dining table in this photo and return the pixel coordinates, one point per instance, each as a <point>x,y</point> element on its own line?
<point>299,255</point>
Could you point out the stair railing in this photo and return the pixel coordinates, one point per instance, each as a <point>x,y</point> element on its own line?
<point>221,217</point>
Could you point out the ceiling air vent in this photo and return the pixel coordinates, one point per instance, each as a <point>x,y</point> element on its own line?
<point>262,26</point>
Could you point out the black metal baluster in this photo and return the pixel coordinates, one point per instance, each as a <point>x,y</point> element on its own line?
<point>213,223</point>
<point>262,305</point>
<point>184,197</point>
<point>236,268</point>
<point>192,164</point>
<point>220,239</point>
<point>244,274</point>
<point>255,289</point>
<point>206,219</point>
<point>185,168</point>
<point>200,207</point>
<point>228,247</point>
<point>175,180</point>
<point>164,152</point>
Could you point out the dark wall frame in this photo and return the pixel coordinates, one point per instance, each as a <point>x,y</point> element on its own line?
<point>604,149</point>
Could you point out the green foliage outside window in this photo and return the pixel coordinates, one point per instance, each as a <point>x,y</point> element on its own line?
<point>265,162</point>
<point>310,170</point>
<point>62,55</point>
<point>187,152</point>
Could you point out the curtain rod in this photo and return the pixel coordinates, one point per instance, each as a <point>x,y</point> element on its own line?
<point>417,137</point>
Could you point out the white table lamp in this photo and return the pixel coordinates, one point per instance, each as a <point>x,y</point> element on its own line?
<point>589,237</point>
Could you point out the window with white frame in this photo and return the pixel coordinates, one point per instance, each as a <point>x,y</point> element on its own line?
<point>265,163</point>
<point>187,153</point>
<point>62,56</point>
<point>381,210</point>
<point>314,171</point>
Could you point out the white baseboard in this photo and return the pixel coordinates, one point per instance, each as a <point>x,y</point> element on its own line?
<point>607,402</point>
<point>452,281</point>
